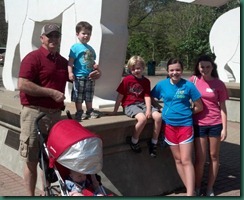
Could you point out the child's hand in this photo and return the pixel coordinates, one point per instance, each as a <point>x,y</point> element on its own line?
<point>95,66</point>
<point>148,114</point>
<point>112,113</point>
<point>99,195</point>
<point>75,193</point>
<point>96,74</point>
<point>71,76</point>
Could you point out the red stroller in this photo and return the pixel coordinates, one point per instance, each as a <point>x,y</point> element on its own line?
<point>69,146</point>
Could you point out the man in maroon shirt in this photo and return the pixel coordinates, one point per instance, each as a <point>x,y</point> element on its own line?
<point>42,79</point>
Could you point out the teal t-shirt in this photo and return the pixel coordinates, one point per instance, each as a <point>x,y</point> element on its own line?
<point>176,98</point>
<point>84,58</point>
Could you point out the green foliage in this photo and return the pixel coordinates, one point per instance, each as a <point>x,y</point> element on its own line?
<point>160,29</point>
<point>3,25</point>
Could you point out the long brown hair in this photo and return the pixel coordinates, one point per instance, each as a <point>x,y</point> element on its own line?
<point>214,72</point>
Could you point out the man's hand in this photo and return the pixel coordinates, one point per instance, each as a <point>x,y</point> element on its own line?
<point>57,95</point>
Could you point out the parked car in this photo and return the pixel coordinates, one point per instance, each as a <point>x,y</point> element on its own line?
<point>2,55</point>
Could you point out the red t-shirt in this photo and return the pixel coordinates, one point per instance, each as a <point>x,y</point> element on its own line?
<point>134,89</point>
<point>44,70</point>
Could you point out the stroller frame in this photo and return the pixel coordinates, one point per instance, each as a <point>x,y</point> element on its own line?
<point>44,150</point>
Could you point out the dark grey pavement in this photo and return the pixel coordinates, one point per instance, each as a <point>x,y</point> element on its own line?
<point>228,182</point>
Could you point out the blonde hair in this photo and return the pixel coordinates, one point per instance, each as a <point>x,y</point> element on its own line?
<point>136,60</point>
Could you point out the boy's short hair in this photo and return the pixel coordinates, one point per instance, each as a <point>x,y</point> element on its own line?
<point>136,59</point>
<point>82,25</point>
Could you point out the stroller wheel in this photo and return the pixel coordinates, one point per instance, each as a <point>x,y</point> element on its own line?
<point>55,191</point>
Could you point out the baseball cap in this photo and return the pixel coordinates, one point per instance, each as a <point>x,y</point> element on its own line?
<point>48,28</point>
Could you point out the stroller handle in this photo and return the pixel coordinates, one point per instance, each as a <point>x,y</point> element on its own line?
<point>44,114</point>
<point>68,114</point>
<point>38,119</point>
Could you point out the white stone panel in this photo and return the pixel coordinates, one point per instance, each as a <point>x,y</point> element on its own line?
<point>109,37</point>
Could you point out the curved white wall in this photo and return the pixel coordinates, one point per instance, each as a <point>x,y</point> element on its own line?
<point>224,41</point>
<point>109,37</point>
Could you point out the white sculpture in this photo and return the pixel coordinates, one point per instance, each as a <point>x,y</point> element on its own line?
<point>214,3</point>
<point>109,37</point>
<point>225,44</point>
<point>224,40</point>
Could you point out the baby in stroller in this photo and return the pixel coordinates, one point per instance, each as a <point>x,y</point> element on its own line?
<point>79,184</point>
<point>75,154</point>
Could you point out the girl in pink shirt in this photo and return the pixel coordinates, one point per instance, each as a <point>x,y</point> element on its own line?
<point>210,125</point>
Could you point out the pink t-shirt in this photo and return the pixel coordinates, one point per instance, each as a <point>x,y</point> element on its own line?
<point>213,92</point>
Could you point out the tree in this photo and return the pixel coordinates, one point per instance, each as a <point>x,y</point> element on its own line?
<point>3,25</point>
<point>160,29</point>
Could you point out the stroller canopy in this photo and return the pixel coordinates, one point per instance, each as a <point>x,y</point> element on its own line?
<point>75,147</point>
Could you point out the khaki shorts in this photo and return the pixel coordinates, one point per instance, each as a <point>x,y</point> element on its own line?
<point>29,142</point>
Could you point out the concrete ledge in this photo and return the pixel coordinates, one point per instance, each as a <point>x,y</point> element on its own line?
<point>124,172</point>
<point>233,89</point>
<point>233,109</point>
<point>232,85</point>
<point>233,104</point>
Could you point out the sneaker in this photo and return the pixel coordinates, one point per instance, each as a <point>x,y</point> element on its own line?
<point>84,116</point>
<point>210,193</point>
<point>197,192</point>
<point>78,115</point>
<point>152,149</point>
<point>93,114</point>
<point>135,147</point>
<point>162,142</point>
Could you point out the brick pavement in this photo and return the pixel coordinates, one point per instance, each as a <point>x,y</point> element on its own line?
<point>11,184</point>
<point>228,182</point>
